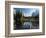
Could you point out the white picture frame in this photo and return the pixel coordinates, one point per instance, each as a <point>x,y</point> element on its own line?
<point>9,19</point>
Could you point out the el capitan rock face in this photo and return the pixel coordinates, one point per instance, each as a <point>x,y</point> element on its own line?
<point>36,13</point>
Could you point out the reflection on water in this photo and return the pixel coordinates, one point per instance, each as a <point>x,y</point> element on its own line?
<point>27,25</point>
<point>30,25</point>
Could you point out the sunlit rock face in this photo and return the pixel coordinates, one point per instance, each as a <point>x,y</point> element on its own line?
<point>36,13</point>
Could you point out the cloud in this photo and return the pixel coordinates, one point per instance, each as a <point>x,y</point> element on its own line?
<point>29,13</point>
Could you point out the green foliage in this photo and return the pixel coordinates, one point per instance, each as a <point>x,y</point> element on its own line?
<point>18,19</point>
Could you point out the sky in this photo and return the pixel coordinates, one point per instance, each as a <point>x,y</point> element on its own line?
<point>26,11</point>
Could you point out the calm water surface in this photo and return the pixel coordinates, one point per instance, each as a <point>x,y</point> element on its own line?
<point>27,25</point>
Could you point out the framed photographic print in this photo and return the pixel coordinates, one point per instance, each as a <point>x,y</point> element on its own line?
<point>24,19</point>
